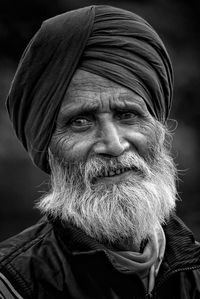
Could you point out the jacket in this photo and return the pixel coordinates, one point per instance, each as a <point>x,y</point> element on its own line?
<point>51,260</point>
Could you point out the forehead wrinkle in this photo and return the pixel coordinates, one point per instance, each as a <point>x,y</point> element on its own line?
<point>86,78</point>
<point>97,100</point>
<point>84,82</point>
<point>132,97</point>
<point>78,106</point>
<point>93,85</point>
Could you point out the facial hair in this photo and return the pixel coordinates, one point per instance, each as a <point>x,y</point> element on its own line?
<point>113,213</point>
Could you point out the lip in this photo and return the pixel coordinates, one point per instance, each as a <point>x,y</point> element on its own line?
<point>113,179</point>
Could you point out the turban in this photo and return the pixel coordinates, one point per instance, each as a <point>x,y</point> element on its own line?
<point>107,41</point>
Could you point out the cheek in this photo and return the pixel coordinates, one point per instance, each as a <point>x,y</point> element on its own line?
<point>142,139</point>
<point>138,142</point>
<point>154,140</point>
<point>71,147</point>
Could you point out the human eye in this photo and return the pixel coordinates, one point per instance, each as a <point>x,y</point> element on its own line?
<point>80,123</point>
<point>127,116</point>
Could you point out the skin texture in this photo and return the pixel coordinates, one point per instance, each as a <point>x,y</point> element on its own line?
<point>101,118</point>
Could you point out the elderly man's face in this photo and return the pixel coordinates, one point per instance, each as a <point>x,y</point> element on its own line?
<point>101,118</point>
<point>111,174</point>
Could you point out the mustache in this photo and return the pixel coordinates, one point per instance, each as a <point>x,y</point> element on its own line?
<point>97,167</point>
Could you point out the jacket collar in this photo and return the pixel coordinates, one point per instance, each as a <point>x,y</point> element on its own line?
<point>181,249</point>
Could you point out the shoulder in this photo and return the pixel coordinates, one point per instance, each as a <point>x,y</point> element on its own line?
<point>190,283</point>
<point>7,290</point>
<point>22,243</point>
<point>23,257</point>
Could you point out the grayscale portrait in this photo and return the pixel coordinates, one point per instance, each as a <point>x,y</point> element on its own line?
<point>99,150</point>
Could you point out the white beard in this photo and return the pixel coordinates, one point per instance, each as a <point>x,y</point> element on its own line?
<point>112,214</point>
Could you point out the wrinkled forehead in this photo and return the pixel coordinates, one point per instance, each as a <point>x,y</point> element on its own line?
<point>91,89</point>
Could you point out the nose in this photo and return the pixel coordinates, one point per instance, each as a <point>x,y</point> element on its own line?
<point>111,142</point>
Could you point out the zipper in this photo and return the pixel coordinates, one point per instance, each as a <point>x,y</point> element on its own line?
<point>162,281</point>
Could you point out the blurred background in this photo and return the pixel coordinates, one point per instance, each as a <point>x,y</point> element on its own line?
<point>177,22</point>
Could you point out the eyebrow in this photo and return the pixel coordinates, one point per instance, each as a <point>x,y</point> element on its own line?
<point>125,102</point>
<point>73,110</point>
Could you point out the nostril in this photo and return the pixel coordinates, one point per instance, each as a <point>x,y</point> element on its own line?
<point>111,145</point>
<point>107,151</point>
<point>106,156</point>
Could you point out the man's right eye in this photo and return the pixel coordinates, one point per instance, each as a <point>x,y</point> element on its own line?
<point>81,123</point>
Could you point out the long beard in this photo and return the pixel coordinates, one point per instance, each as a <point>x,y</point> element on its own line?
<point>128,210</point>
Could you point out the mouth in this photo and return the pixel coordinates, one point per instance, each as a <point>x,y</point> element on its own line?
<point>114,175</point>
<point>111,173</point>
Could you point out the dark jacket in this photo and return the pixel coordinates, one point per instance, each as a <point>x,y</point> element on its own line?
<point>51,261</point>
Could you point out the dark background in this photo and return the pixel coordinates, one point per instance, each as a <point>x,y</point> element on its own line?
<point>177,22</point>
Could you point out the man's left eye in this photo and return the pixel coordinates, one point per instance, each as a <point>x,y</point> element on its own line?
<point>126,115</point>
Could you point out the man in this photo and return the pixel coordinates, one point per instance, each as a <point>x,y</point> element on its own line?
<point>89,102</point>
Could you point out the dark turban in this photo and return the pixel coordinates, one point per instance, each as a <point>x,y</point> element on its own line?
<point>104,40</point>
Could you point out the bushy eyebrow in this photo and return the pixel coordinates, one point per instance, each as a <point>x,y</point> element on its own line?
<point>73,110</point>
<point>123,103</point>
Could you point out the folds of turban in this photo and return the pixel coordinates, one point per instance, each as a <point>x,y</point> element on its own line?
<point>110,42</point>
